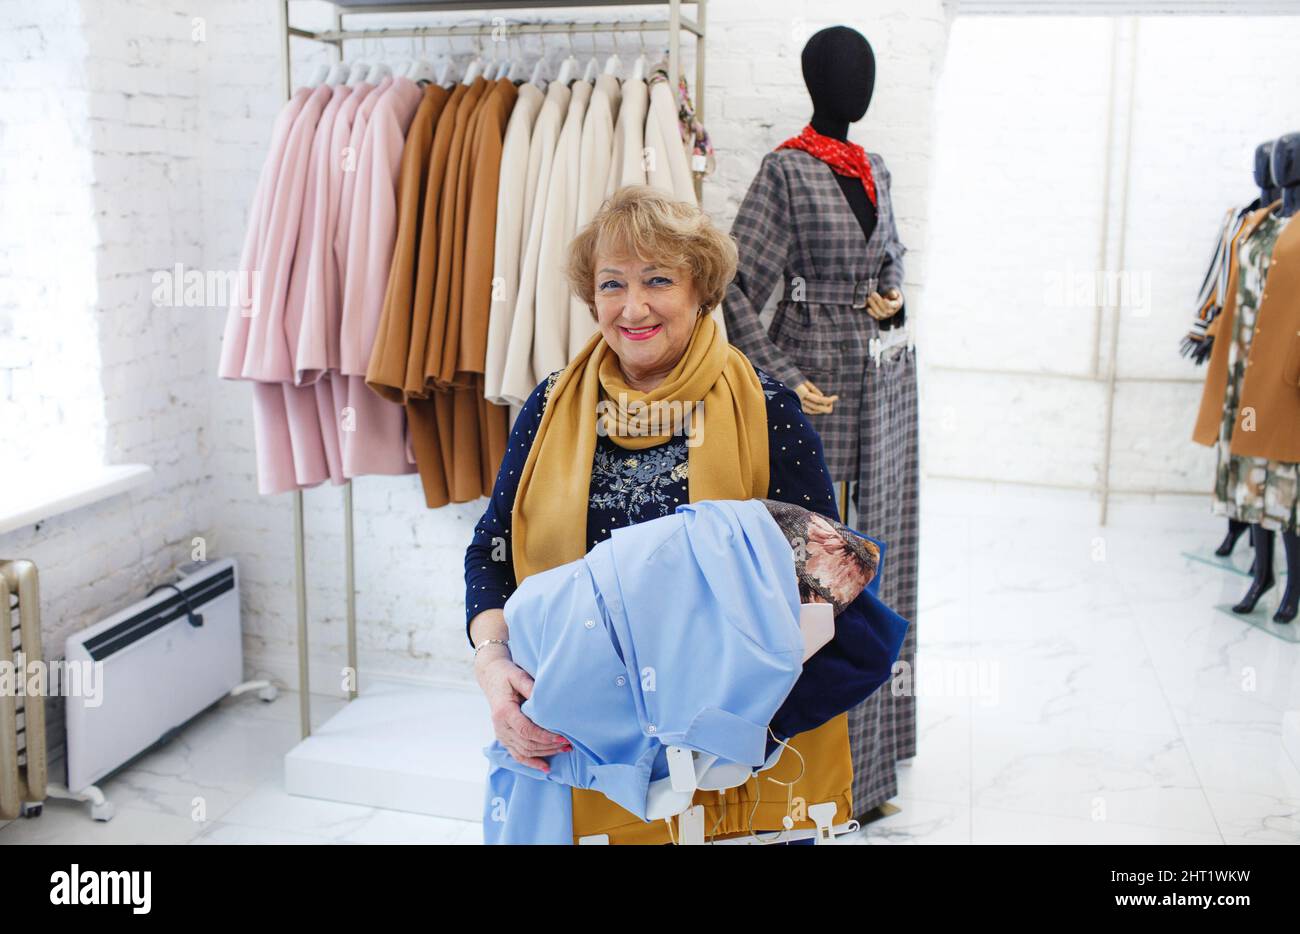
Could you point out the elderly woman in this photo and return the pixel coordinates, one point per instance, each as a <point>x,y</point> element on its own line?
<point>581,463</point>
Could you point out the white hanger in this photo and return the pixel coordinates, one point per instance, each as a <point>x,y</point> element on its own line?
<point>639,66</point>
<point>613,65</point>
<point>338,73</point>
<point>515,71</point>
<point>569,66</point>
<point>318,76</point>
<point>537,77</point>
<point>421,71</point>
<point>589,73</point>
<point>378,72</point>
<point>514,62</point>
<point>358,74</point>
<point>476,66</point>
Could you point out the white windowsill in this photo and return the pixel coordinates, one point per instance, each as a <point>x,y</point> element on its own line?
<point>28,496</point>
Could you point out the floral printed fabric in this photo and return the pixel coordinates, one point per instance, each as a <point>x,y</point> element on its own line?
<point>1252,489</point>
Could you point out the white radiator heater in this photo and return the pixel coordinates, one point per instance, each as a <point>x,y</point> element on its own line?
<point>157,664</point>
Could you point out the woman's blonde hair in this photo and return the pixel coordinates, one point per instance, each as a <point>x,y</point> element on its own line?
<point>641,221</point>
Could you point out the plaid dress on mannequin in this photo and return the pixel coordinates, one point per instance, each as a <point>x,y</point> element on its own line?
<point>795,228</point>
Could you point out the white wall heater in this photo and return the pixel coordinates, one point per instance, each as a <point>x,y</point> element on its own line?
<point>159,663</point>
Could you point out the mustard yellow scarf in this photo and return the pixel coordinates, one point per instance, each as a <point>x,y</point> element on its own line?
<point>712,395</point>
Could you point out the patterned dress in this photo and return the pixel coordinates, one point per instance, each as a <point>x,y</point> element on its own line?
<point>1252,489</point>
<point>795,229</point>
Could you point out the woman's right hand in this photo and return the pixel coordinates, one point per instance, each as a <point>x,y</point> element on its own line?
<point>506,686</point>
<point>812,399</point>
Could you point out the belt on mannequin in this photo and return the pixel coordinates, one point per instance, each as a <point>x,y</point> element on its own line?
<point>852,292</point>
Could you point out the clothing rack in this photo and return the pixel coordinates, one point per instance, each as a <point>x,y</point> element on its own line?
<point>674,24</point>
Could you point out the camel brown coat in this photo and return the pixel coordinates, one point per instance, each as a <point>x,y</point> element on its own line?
<point>386,373</point>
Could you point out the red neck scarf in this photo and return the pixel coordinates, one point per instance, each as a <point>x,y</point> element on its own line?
<point>843,157</point>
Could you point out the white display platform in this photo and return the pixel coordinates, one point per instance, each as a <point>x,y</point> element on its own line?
<point>399,746</point>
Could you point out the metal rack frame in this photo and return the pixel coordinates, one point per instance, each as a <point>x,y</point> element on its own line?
<point>675,24</point>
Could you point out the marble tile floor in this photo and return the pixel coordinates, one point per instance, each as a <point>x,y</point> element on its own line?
<point>1077,684</point>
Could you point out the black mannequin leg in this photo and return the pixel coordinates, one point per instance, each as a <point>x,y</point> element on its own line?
<point>1263,570</point>
<point>1291,596</point>
<point>1236,528</point>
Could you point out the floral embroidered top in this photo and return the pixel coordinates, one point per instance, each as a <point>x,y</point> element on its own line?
<point>628,487</point>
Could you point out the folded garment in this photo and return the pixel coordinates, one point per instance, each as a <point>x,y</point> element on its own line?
<point>683,631</point>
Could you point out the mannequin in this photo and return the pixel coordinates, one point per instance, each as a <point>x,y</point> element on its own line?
<point>1268,193</point>
<point>1285,166</point>
<point>818,224</point>
<point>839,69</point>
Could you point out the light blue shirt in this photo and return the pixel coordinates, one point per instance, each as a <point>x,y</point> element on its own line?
<point>682,630</point>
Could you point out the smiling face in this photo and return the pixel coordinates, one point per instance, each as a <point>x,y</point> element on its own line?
<point>646,313</point>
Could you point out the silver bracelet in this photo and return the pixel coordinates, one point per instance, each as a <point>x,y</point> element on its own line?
<point>505,642</point>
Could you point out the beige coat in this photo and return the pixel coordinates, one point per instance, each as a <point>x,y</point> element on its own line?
<point>559,224</point>
<point>508,244</point>
<point>597,150</point>
<point>627,166</point>
<point>520,378</point>
<point>667,166</point>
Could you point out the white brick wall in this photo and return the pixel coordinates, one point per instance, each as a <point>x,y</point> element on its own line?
<point>100,181</point>
<point>1019,175</point>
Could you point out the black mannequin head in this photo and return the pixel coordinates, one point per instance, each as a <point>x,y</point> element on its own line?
<point>1268,189</point>
<point>1286,171</point>
<point>839,69</point>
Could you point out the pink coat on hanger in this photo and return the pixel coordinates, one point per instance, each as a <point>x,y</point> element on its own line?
<point>234,340</point>
<point>349,161</point>
<point>317,357</point>
<point>310,288</point>
<point>270,424</point>
<point>374,440</point>
<point>318,343</point>
<point>267,357</point>
<point>290,455</point>
<point>316,454</point>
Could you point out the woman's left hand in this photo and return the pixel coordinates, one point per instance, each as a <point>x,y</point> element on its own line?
<point>884,306</point>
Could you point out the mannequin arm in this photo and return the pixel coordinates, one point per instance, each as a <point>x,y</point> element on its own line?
<point>891,270</point>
